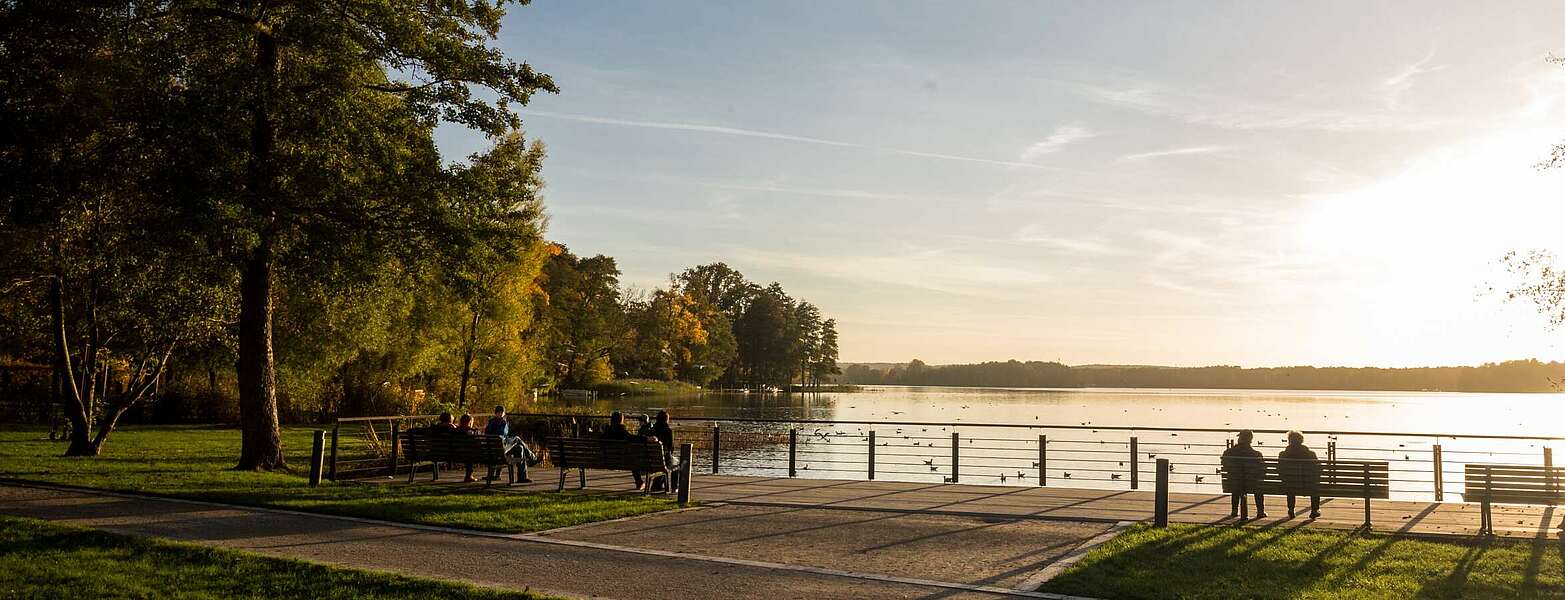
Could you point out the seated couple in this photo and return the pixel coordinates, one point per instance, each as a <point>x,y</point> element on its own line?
<point>516,451</point>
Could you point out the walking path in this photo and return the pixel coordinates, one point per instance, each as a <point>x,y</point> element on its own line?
<point>1076,504</point>
<point>581,561</point>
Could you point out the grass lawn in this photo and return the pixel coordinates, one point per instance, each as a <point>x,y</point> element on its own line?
<point>194,461</point>
<point>1189,561</point>
<point>42,560</point>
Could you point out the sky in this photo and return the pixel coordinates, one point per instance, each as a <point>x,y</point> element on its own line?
<point>1179,183</point>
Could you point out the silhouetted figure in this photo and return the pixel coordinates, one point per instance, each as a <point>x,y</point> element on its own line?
<point>1300,470</point>
<point>465,426</point>
<point>664,432</point>
<point>444,423</point>
<point>616,431</point>
<point>1245,469</point>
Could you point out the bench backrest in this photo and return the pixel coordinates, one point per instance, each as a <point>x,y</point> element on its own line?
<point>593,453</point>
<point>1515,484</point>
<point>1331,479</point>
<point>426,444</point>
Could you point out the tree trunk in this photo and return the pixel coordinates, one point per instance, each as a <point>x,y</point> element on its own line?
<point>68,394</point>
<point>261,447</point>
<point>467,360</point>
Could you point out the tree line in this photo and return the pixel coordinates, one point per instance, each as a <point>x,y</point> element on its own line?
<point>239,206</point>
<point>1509,376</point>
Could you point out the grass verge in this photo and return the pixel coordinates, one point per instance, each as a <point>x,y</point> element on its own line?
<point>1191,561</point>
<point>194,462</point>
<point>43,560</point>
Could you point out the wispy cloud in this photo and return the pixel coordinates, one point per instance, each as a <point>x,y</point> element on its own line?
<point>1062,137</point>
<point>1396,85</point>
<point>1230,112</point>
<point>1172,152</point>
<point>770,135</point>
<point>1038,235</point>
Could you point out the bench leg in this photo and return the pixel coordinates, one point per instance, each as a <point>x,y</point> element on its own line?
<point>562,481</point>
<point>582,473</point>
<point>1485,524</point>
<point>412,470</point>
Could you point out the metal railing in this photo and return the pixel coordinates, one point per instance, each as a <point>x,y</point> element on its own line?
<point>1421,465</point>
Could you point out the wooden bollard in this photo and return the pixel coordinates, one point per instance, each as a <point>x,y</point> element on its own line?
<point>956,443</point>
<point>1160,497</point>
<point>683,475</point>
<point>317,456</point>
<point>1135,471</point>
<point>1043,460</point>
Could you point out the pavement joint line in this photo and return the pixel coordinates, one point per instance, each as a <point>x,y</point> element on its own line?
<point>1054,569</point>
<point>535,537</point>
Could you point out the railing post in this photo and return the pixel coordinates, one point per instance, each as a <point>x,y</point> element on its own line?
<point>717,445</point>
<point>1439,475</point>
<point>793,452</point>
<point>1160,497</point>
<point>872,454</point>
<point>956,443</point>
<point>1043,459</point>
<point>395,444</point>
<point>1548,468</point>
<point>1331,459</point>
<point>683,475</point>
<point>317,456</point>
<point>1366,496</point>
<point>1135,473</point>
<point>334,428</point>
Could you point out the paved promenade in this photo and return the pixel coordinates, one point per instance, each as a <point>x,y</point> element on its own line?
<point>591,561</point>
<point>1105,506</point>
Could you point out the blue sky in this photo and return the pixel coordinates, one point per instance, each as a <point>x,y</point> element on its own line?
<point>1171,183</point>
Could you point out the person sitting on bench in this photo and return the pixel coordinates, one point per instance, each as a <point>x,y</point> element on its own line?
<point>515,448</point>
<point>1300,470</point>
<point>465,426</point>
<point>444,424</point>
<point>617,431</point>
<point>1243,465</point>
<point>665,434</point>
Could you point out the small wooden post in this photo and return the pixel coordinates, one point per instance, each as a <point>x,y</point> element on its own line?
<point>872,454</point>
<point>1366,496</point>
<point>334,429</point>
<point>793,452</point>
<point>1439,475</point>
<point>717,445</point>
<point>1135,473</point>
<point>396,442</point>
<point>1043,459</point>
<point>956,443</point>
<point>1160,497</point>
<point>317,456</point>
<point>683,475</point>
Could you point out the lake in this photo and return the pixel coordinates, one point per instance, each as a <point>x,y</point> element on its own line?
<point>1085,455</point>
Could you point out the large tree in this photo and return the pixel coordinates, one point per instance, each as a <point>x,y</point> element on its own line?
<point>324,110</point>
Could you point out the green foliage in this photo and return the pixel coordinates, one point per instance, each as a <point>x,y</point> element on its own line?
<point>1188,561</point>
<point>43,560</point>
<point>581,319</point>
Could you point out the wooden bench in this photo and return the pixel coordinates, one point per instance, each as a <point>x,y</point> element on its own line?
<point>437,446</point>
<point>1363,479</point>
<point>615,455</point>
<point>1512,484</point>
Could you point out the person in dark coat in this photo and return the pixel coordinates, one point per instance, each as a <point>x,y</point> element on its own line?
<point>1245,469</point>
<point>664,433</point>
<point>617,431</point>
<point>1300,470</point>
<point>444,424</point>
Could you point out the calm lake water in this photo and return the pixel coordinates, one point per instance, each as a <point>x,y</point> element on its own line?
<point>1087,456</point>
